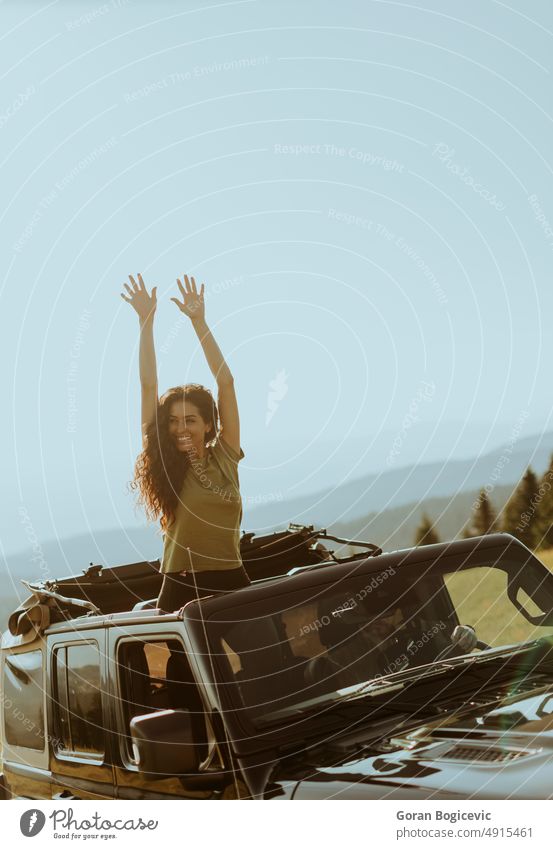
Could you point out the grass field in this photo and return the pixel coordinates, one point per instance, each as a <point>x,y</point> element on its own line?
<point>546,557</point>
<point>480,598</point>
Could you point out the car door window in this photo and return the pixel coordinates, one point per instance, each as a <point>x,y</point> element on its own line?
<point>77,692</point>
<point>155,675</point>
<point>23,700</point>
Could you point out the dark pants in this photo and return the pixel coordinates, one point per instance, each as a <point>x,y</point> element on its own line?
<point>177,589</point>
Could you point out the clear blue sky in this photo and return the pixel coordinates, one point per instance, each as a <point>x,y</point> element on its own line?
<point>364,188</point>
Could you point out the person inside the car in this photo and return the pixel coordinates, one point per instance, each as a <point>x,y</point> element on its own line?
<point>187,472</point>
<point>335,655</point>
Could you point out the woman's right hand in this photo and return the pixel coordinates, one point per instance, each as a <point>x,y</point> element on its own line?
<point>142,303</point>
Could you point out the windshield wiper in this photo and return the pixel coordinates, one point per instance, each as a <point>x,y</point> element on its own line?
<point>327,711</point>
<point>394,683</point>
<point>397,680</point>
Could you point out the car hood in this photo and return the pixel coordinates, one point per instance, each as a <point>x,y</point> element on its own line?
<point>483,751</point>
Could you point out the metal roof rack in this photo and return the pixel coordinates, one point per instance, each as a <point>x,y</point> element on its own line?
<point>275,554</point>
<point>42,594</point>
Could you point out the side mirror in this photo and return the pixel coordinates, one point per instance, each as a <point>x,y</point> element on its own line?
<point>164,745</point>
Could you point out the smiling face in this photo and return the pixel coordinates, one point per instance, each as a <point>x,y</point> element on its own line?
<point>188,428</point>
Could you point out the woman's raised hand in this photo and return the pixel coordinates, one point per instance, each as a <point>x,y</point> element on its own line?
<point>192,303</point>
<point>143,304</point>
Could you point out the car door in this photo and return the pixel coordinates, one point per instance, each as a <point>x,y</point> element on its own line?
<point>81,757</point>
<point>149,672</point>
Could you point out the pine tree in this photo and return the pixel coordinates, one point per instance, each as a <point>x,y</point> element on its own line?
<point>466,533</point>
<point>483,519</point>
<point>519,514</point>
<point>544,510</point>
<point>425,533</point>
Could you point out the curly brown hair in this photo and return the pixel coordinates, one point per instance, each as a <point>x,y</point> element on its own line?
<point>160,467</point>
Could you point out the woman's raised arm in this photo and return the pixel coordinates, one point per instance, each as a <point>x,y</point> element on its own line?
<point>145,307</point>
<point>192,305</point>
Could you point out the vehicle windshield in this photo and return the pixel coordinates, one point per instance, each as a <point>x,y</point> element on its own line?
<point>309,647</point>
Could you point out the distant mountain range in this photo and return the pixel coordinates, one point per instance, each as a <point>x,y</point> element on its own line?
<point>413,484</point>
<point>395,528</point>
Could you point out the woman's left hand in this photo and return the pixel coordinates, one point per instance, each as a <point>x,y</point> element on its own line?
<point>192,303</point>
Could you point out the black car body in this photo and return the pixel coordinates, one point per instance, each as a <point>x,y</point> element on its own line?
<point>415,674</point>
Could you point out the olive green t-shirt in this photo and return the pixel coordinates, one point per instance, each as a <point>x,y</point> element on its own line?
<point>208,514</point>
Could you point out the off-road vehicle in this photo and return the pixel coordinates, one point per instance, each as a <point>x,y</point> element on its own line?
<point>420,673</point>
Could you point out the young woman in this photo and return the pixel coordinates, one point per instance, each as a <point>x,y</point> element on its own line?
<point>187,472</point>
